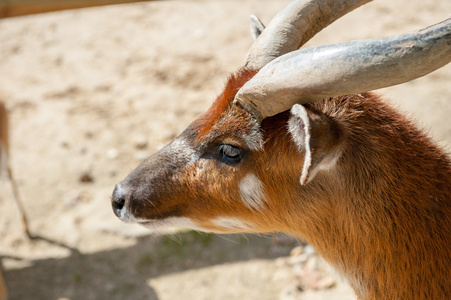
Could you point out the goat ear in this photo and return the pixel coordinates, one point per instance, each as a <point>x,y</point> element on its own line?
<point>318,137</point>
<point>257,27</point>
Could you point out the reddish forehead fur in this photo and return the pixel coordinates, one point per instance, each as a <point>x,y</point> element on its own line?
<point>223,101</point>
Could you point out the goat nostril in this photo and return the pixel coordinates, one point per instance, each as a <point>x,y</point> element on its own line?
<point>118,204</point>
<point>118,200</point>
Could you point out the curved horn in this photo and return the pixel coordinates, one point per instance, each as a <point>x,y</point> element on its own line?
<point>316,73</point>
<point>294,26</point>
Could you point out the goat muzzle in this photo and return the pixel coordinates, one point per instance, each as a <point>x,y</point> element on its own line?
<point>119,199</point>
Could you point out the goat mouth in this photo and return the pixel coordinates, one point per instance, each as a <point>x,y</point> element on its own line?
<point>160,216</point>
<point>148,222</point>
<point>169,225</point>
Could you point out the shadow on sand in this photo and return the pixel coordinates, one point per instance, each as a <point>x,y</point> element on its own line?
<point>124,273</point>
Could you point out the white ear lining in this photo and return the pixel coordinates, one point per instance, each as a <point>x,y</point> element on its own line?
<point>301,137</point>
<point>256,27</point>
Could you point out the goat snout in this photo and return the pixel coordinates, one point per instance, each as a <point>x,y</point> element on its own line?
<point>118,200</point>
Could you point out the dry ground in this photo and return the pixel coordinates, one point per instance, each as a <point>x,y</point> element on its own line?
<point>92,92</point>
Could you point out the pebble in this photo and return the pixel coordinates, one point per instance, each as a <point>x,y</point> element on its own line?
<point>297,251</point>
<point>86,177</point>
<point>113,153</point>
<point>298,259</point>
<point>141,155</point>
<point>140,142</point>
<point>309,250</point>
<point>311,271</point>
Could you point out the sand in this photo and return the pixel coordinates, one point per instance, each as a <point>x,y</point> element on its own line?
<point>92,92</point>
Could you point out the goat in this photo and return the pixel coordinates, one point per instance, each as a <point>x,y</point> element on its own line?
<point>5,168</point>
<point>295,144</point>
<point>3,289</point>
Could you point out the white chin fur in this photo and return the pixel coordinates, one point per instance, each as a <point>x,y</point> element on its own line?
<point>127,217</point>
<point>232,224</point>
<point>169,224</point>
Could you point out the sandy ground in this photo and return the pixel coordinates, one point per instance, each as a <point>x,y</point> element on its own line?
<point>92,92</point>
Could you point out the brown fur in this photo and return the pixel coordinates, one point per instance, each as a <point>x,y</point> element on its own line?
<point>223,101</point>
<point>379,215</point>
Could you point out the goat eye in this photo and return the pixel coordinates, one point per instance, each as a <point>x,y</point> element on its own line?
<point>230,153</point>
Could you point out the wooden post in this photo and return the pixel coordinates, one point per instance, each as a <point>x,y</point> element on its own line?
<point>14,8</point>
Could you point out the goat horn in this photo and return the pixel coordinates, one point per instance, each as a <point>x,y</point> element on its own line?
<point>294,26</point>
<point>316,73</point>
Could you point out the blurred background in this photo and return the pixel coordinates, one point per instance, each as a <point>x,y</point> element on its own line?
<point>92,92</point>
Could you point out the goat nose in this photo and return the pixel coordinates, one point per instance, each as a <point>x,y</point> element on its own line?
<point>118,200</point>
